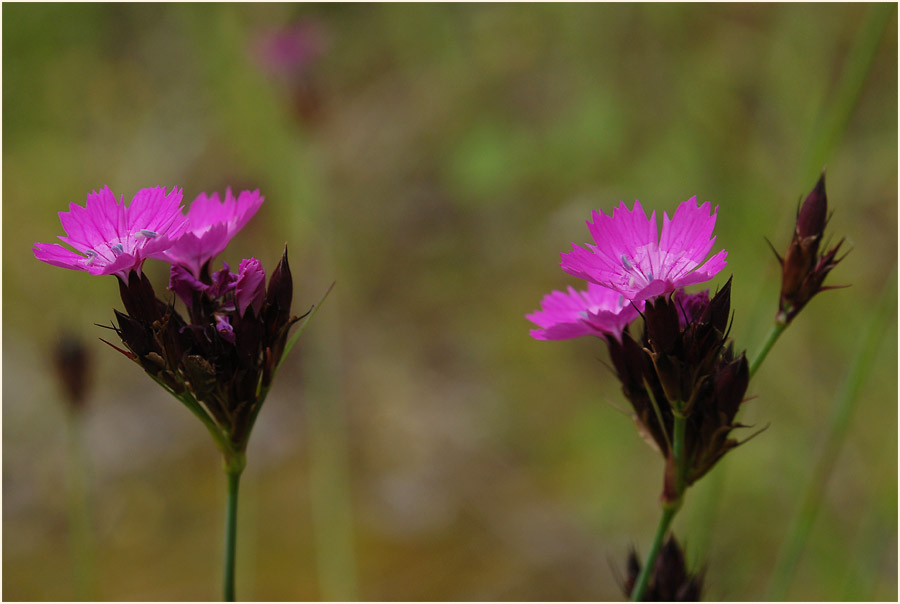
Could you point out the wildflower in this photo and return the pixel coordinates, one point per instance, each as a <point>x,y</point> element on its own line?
<point>112,239</point>
<point>670,581</point>
<point>211,224</point>
<point>803,268</point>
<point>597,311</point>
<point>629,256</point>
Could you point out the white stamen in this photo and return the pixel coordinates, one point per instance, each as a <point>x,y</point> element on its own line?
<point>91,255</point>
<point>117,249</point>
<point>145,233</point>
<point>628,265</point>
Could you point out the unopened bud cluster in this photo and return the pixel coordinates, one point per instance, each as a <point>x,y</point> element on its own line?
<point>225,353</point>
<point>670,581</point>
<point>803,268</point>
<point>684,364</point>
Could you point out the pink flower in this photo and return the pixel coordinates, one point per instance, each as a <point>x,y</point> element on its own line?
<point>112,239</point>
<point>250,287</point>
<point>630,258</point>
<point>210,226</point>
<point>599,311</point>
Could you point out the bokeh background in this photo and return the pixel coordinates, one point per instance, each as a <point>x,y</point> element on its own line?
<point>433,160</point>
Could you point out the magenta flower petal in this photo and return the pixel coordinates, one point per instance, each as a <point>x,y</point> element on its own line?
<point>112,239</point>
<point>599,311</point>
<point>250,287</point>
<point>630,258</point>
<point>211,225</point>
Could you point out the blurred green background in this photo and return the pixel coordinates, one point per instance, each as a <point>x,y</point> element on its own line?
<point>433,160</point>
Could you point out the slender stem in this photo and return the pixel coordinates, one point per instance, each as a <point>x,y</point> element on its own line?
<point>771,338</point>
<point>640,586</point>
<point>80,534</point>
<point>233,469</point>
<point>846,96</point>
<point>670,508</point>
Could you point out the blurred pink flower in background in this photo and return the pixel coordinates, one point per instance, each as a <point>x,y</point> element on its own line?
<point>111,238</point>
<point>632,259</point>
<point>287,51</point>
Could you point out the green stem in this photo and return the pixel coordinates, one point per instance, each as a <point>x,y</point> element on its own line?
<point>234,465</point>
<point>801,526</point>
<point>640,586</point>
<point>846,96</point>
<point>670,508</point>
<point>680,423</point>
<point>771,338</point>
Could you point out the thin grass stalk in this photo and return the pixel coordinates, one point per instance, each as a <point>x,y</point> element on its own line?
<point>838,425</point>
<point>824,140</point>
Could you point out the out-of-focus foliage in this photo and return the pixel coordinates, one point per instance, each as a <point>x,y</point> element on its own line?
<point>433,160</point>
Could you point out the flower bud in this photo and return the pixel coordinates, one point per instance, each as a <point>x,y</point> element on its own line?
<point>812,217</point>
<point>671,581</point>
<point>280,291</point>
<point>803,268</point>
<point>250,287</point>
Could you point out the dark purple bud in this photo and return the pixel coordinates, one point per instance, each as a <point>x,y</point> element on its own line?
<point>731,384</point>
<point>139,298</point>
<point>663,328</point>
<point>250,287</point>
<point>280,291</point>
<point>73,367</point>
<point>803,268</point>
<point>690,306</point>
<point>719,308</point>
<point>812,217</point>
<point>134,334</point>
<point>627,359</point>
<point>670,581</point>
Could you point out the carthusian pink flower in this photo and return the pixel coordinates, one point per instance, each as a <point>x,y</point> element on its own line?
<point>211,225</point>
<point>112,239</point>
<point>630,257</point>
<point>598,311</point>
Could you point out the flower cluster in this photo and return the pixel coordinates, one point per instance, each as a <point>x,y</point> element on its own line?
<point>670,581</point>
<point>803,268</point>
<point>220,360</point>
<point>682,365</point>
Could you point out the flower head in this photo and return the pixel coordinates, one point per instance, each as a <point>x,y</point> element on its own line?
<point>631,258</point>
<point>671,581</point>
<point>221,354</point>
<point>689,368</point>
<point>211,224</point>
<point>598,311</point>
<point>803,268</point>
<point>112,239</point>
